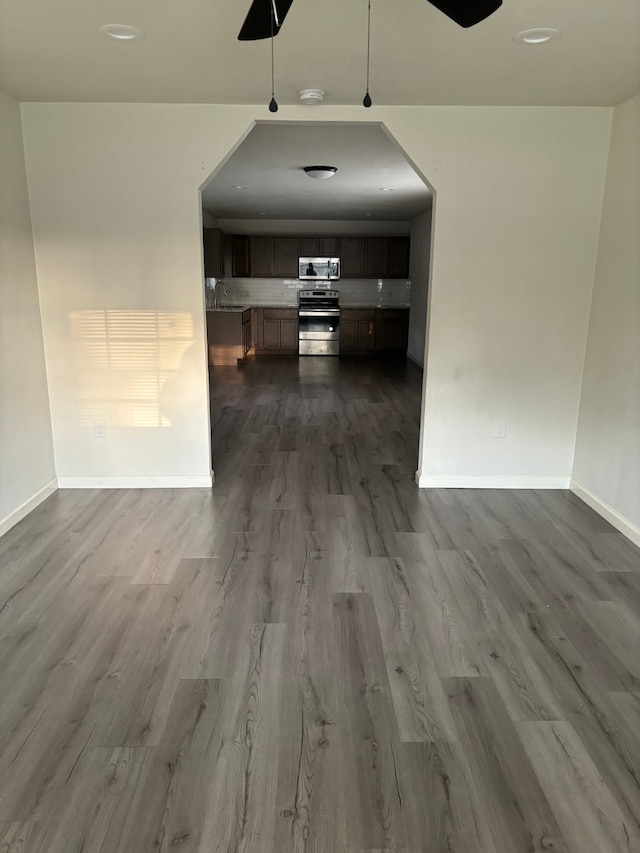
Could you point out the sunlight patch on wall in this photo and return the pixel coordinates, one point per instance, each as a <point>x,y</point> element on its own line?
<point>124,360</point>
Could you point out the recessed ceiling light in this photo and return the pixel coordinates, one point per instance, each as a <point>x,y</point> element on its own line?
<point>539,35</point>
<point>387,189</point>
<point>121,32</point>
<point>368,214</point>
<point>241,186</point>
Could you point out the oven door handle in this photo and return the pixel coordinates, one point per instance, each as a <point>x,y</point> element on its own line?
<point>319,312</point>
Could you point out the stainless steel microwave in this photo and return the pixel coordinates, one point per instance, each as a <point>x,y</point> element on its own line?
<point>315,269</point>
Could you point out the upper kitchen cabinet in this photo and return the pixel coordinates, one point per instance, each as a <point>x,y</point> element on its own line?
<point>237,258</point>
<point>274,257</point>
<point>261,249</point>
<point>375,257</point>
<point>386,257</point>
<point>319,247</point>
<point>269,256</point>
<point>212,244</point>
<point>285,260</point>
<point>227,255</point>
<point>398,256</point>
<point>352,257</point>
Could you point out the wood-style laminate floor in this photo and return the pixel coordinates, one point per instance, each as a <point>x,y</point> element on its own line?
<point>316,656</point>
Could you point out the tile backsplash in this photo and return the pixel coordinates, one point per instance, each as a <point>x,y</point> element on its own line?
<point>272,291</point>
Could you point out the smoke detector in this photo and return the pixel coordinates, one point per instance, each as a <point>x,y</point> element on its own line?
<point>311,96</point>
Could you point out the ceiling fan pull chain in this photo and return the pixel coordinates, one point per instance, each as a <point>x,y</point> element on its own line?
<point>366,101</point>
<point>273,104</point>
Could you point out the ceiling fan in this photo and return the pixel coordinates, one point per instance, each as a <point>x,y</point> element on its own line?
<point>265,17</point>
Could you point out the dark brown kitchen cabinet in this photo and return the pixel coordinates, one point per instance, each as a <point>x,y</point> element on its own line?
<point>352,257</point>
<point>386,257</point>
<point>289,332</point>
<point>398,254</point>
<point>270,333</point>
<point>285,261</point>
<point>274,257</point>
<point>256,328</point>
<point>319,247</point>
<point>357,330</point>
<point>227,255</point>
<point>278,330</point>
<point>246,331</point>
<point>269,256</point>
<point>262,250</point>
<point>363,330</point>
<point>212,245</point>
<point>375,257</point>
<point>228,336</point>
<point>392,328</point>
<point>241,258</point>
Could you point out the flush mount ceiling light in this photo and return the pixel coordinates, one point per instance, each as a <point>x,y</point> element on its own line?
<point>121,32</point>
<point>240,186</point>
<point>539,35</point>
<point>320,172</point>
<point>311,96</point>
<point>387,189</point>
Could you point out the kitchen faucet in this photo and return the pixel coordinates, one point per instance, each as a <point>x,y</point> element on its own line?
<point>215,292</point>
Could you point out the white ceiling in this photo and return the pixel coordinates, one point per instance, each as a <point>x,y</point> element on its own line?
<point>52,51</point>
<point>270,161</point>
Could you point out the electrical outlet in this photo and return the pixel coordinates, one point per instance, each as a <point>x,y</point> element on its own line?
<point>99,429</point>
<point>500,429</point>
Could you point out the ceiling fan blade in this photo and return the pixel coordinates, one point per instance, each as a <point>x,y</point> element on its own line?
<point>467,12</point>
<point>257,24</point>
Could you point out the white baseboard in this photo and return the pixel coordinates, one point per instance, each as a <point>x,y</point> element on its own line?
<point>194,481</point>
<point>630,530</point>
<point>25,508</point>
<point>440,481</point>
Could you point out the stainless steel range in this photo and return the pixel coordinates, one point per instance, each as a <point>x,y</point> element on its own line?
<point>319,322</point>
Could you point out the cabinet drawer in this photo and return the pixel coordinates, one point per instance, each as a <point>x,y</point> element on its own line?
<point>394,313</point>
<point>358,314</point>
<point>280,313</point>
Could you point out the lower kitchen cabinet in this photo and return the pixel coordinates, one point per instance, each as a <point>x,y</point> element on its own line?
<point>392,328</point>
<point>363,330</point>
<point>228,336</point>
<point>275,330</point>
<point>357,329</point>
<point>246,331</point>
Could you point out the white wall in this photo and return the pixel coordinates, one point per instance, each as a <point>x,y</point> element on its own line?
<point>117,219</point>
<point>420,261</point>
<point>519,195</point>
<point>26,452</point>
<point>607,460</point>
